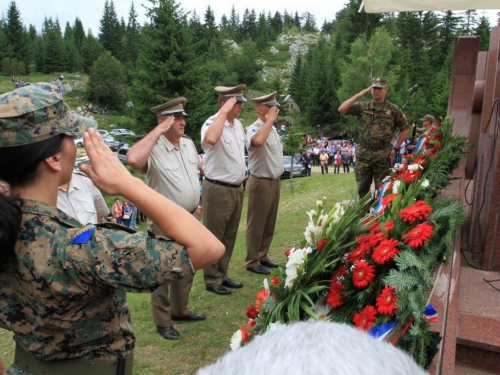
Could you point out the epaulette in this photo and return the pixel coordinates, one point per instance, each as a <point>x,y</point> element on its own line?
<point>110,225</point>
<point>78,172</point>
<point>84,234</point>
<point>185,136</point>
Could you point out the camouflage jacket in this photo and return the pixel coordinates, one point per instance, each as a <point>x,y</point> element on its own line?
<point>64,293</point>
<point>377,124</point>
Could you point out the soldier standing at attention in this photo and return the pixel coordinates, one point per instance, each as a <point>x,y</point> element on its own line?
<point>265,162</point>
<point>169,161</point>
<point>63,285</point>
<point>223,140</point>
<point>378,121</point>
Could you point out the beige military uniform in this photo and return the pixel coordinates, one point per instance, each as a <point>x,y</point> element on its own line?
<point>82,201</point>
<point>173,172</point>
<point>265,164</point>
<point>224,169</point>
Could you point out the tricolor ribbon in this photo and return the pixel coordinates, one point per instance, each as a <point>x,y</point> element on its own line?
<point>380,208</point>
<point>430,314</point>
<point>419,144</point>
<point>382,330</point>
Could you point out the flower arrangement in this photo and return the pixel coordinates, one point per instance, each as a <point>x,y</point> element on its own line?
<point>372,264</point>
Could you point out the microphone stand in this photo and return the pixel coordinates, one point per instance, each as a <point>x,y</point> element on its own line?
<point>414,91</point>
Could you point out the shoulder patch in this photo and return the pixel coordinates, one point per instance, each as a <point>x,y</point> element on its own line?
<point>185,136</point>
<point>84,234</point>
<point>253,130</point>
<point>207,124</point>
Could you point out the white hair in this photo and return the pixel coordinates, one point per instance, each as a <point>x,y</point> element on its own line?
<point>315,347</point>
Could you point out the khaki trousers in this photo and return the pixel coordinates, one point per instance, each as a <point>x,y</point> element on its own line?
<point>163,306</point>
<point>221,215</point>
<point>263,202</point>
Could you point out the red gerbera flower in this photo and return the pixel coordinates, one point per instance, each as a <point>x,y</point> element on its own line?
<point>418,235</point>
<point>261,297</point>
<point>386,301</point>
<point>435,148</point>
<point>362,274</point>
<point>374,239</point>
<point>410,176</point>
<point>357,254</point>
<point>251,324</point>
<point>365,318</point>
<point>276,280</point>
<point>387,226</point>
<point>438,137</point>
<point>252,312</point>
<point>419,210</point>
<point>341,271</point>
<point>334,297</point>
<point>321,244</point>
<point>245,335</point>
<point>387,200</point>
<point>385,251</point>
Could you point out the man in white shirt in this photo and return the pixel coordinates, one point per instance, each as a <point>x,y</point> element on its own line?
<point>223,140</point>
<point>81,200</point>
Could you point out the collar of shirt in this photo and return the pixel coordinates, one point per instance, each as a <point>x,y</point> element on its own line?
<point>39,208</point>
<point>169,146</point>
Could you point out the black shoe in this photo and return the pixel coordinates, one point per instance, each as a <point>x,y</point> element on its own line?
<point>168,333</point>
<point>260,270</point>
<point>218,289</point>
<point>232,284</point>
<point>191,317</point>
<point>269,263</point>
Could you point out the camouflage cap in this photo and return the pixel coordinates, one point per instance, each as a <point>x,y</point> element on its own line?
<point>379,82</point>
<point>35,113</point>
<point>428,118</point>
<point>237,92</point>
<point>267,100</point>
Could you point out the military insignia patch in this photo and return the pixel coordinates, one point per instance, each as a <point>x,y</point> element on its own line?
<point>83,235</point>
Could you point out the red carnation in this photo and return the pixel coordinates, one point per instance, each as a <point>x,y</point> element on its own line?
<point>334,298</point>
<point>386,301</point>
<point>276,280</point>
<point>321,243</point>
<point>385,251</point>
<point>362,274</point>
<point>252,312</point>
<point>418,235</point>
<point>419,210</point>
<point>365,318</point>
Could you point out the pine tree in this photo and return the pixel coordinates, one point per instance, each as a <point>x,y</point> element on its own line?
<point>132,38</point>
<point>79,33</point>
<point>110,31</point>
<point>53,58</point>
<point>483,30</point>
<point>91,50</point>
<point>297,83</point>
<point>17,43</point>
<point>107,82</point>
<point>234,25</point>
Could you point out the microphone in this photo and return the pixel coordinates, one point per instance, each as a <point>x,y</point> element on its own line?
<point>418,85</point>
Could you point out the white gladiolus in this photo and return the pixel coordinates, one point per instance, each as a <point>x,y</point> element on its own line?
<point>425,183</point>
<point>266,284</point>
<point>414,167</point>
<point>295,264</point>
<point>395,186</point>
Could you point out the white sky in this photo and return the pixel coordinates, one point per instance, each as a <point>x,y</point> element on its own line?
<point>90,11</point>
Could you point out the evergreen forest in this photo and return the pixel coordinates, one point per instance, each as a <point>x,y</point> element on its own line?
<point>179,53</point>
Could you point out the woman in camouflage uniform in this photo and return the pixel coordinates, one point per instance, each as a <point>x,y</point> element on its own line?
<point>63,285</point>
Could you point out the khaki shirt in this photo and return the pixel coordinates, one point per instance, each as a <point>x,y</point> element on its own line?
<point>173,172</point>
<point>83,200</point>
<point>265,161</point>
<point>225,161</point>
<point>64,298</point>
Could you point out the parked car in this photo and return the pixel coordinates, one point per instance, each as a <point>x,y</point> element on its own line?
<point>78,141</point>
<point>122,155</point>
<point>122,132</point>
<point>112,143</point>
<point>82,160</point>
<point>298,169</point>
<point>102,132</point>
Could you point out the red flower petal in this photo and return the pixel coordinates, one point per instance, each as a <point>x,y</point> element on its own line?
<point>386,301</point>
<point>365,318</point>
<point>362,274</point>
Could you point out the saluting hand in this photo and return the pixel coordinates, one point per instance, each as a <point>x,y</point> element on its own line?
<point>106,171</point>
<point>272,114</point>
<point>228,105</point>
<point>166,123</point>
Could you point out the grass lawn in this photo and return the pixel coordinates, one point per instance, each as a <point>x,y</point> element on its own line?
<point>201,343</point>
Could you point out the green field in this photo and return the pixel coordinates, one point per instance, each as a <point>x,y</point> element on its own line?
<point>201,343</point>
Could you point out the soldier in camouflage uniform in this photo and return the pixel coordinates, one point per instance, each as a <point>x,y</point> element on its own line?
<point>378,121</point>
<point>63,285</point>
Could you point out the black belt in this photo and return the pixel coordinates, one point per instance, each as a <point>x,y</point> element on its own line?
<point>222,183</point>
<point>78,366</point>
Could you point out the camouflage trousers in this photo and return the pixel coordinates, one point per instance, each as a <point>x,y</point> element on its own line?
<point>371,166</point>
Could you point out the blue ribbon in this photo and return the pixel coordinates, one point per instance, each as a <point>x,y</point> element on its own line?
<point>383,189</point>
<point>380,331</point>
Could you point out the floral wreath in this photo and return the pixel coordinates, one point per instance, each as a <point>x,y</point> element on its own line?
<point>373,264</point>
